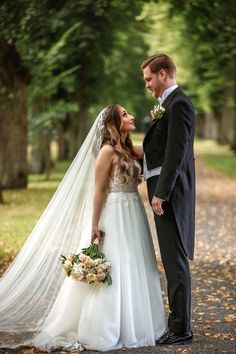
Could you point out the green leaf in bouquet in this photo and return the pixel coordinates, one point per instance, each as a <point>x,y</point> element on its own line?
<point>62,258</point>
<point>69,273</point>
<point>76,258</point>
<point>93,251</point>
<point>109,279</point>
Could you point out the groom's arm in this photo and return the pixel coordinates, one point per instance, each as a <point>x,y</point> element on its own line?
<point>181,120</point>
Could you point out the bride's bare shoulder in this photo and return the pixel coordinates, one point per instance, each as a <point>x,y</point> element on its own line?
<point>106,153</point>
<point>108,148</point>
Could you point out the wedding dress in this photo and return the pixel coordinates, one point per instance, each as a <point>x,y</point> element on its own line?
<point>41,307</point>
<point>129,313</point>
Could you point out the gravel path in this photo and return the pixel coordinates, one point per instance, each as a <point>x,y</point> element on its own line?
<point>213,270</point>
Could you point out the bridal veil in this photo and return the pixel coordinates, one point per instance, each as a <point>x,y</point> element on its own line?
<point>31,284</point>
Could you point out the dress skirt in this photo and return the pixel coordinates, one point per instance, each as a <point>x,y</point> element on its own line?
<point>129,313</point>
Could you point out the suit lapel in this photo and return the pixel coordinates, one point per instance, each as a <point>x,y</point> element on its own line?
<point>154,122</point>
<point>171,96</point>
<point>165,104</point>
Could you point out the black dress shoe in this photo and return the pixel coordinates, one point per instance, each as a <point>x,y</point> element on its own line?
<point>170,338</point>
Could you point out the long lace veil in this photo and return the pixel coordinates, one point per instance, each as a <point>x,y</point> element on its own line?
<point>30,285</point>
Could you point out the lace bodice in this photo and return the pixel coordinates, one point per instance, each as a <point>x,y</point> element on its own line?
<point>116,184</point>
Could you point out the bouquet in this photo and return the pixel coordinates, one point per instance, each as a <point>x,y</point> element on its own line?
<point>90,265</point>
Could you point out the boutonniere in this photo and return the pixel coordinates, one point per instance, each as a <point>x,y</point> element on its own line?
<point>157,112</point>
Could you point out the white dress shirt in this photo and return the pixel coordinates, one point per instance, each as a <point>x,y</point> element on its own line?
<point>156,171</point>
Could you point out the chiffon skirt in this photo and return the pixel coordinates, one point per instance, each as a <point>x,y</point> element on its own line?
<point>130,312</point>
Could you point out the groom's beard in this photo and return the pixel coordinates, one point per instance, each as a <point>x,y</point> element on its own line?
<point>154,94</point>
<point>157,93</point>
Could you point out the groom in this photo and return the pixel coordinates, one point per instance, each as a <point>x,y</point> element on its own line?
<point>170,174</point>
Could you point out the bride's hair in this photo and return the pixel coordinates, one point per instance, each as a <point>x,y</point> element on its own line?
<point>123,149</point>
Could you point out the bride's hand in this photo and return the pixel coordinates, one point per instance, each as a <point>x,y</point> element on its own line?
<point>96,233</point>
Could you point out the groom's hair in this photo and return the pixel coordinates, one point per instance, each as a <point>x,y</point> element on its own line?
<point>158,62</point>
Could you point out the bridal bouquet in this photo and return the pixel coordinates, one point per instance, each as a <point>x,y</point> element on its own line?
<point>90,265</point>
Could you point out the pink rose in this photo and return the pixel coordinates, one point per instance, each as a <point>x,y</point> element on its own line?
<point>101,276</point>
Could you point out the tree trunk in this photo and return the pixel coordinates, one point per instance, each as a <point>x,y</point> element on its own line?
<point>63,145</point>
<point>80,127</point>
<point>13,118</point>
<point>218,115</point>
<point>1,195</point>
<point>200,128</point>
<point>63,140</point>
<point>233,144</point>
<point>40,161</point>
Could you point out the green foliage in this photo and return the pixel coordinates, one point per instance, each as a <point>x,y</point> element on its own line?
<point>210,35</point>
<point>88,53</point>
<point>85,52</point>
<point>93,251</point>
<point>200,36</point>
<point>123,81</point>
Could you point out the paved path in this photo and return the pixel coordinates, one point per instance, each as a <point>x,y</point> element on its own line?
<point>213,270</point>
<point>214,267</point>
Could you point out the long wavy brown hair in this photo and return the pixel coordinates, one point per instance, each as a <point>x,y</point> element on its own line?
<point>124,150</point>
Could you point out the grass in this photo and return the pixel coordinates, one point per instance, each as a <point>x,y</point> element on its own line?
<point>216,156</point>
<point>23,207</point>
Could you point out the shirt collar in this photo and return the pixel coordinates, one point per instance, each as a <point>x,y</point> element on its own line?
<point>166,93</point>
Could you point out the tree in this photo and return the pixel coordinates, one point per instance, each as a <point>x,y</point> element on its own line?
<point>94,44</point>
<point>14,79</point>
<point>72,68</point>
<point>1,194</point>
<point>209,30</point>
<point>13,118</point>
<point>63,46</point>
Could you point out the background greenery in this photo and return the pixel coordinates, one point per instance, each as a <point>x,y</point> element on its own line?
<point>62,61</point>
<point>23,208</point>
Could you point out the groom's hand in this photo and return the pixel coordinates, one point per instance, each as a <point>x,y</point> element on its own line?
<point>157,206</point>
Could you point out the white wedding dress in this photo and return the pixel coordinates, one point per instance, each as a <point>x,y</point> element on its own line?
<point>130,312</point>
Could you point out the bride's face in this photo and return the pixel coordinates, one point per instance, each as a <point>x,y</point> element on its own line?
<point>127,120</point>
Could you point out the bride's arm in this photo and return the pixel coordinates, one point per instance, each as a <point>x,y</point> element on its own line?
<point>102,172</point>
<point>138,149</point>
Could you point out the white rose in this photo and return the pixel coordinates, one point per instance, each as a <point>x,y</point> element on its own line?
<point>77,269</point>
<point>67,264</point>
<point>96,262</point>
<point>91,277</point>
<point>82,257</point>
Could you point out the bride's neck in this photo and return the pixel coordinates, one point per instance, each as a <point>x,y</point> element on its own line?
<point>123,137</point>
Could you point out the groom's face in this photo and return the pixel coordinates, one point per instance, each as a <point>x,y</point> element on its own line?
<point>154,81</point>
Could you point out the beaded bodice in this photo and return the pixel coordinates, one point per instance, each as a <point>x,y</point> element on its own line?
<point>116,184</point>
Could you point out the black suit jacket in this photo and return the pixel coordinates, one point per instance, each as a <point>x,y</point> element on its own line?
<point>169,143</point>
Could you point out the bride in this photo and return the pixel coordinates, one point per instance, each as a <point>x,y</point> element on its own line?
<point>40,307</point>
